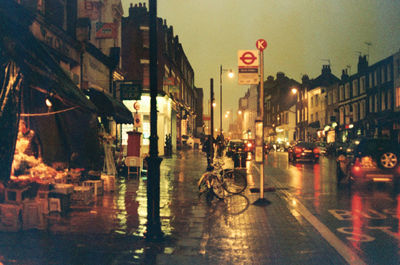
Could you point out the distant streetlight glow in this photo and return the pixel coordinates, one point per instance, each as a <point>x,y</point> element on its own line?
<point>294,90</point>
<point>230,74</point>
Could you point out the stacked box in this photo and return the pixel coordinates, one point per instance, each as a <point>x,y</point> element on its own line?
<point>64,188</point>
<point>16,195</point>
<point>10,217</point>
<point>33,216</point>
<point>97,186</point>
<point>108,181</point>
<point>55,205</point>
<point>43,198</point>
<point>82,195</point>
<point>64,202</point>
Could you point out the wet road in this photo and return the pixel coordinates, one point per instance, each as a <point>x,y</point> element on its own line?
<point>309,221</point>
<point>366,217</point>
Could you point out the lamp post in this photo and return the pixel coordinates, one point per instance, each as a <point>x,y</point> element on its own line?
<point>220,94</point>
<point>153,161</point>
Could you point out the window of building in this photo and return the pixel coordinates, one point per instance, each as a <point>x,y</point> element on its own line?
<point>341,93</point>
<point>312,101</point>
<point>316,100</point>
<point>316,116</point>
<point>330,97</point>
<point>383,100</point>
<point>347,114</point>
<point>383,74</point>
<point>371,105</point>
<point>375,77</point>
<point>389,100</point>
<point>355,87</point>
<point>370,80</point>
<point>341,115</point>
<point>347,91</point>
<point>397,96</point>
<point>355,112</point>
<point>362,85</point>
<point>362,109</point>
<point>376,103</point>
<point>298,116</point>
<point>311,117</point>
<point>287,118</point>
<point>398,66</point>
<point>334,96</point>
<point>389,73</point>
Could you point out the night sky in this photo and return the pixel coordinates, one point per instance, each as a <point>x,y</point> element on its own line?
<point>302,35</point>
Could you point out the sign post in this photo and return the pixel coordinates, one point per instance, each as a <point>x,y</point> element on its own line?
<point>261,44</point>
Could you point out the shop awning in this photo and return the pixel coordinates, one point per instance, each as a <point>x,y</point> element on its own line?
<point>109,106</point>
<point>40,70</point>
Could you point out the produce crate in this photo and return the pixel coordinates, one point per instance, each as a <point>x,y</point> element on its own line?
<point>82,195</point>
<point>10,217</point>
<point>65,202</point>
<point>33,216</point>
<point>64,188</point>
<point>97,186</point>
<point>16,195</point>
<point>108,181</point>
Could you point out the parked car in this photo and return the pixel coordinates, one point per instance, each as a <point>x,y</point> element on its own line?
<point>234,146</point>
<point>322,146</point>
<point>303,151</point>
<point>372,160</point>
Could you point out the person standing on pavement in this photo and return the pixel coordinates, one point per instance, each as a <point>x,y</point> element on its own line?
<point>220,144</point>
<point>207,148</point>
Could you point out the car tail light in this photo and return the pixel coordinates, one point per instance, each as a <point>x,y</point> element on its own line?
<point>316,150</point>
<point>356,168</point>
<point>298,150</point>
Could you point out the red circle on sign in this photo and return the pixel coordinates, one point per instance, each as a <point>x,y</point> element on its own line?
<point>248,58</point>
<point>261,44</point>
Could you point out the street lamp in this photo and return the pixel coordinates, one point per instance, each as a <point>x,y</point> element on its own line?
<point>230,75</point>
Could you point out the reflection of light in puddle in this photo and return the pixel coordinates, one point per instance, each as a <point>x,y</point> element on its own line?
<point>122,214</point>
<point>168,250</point>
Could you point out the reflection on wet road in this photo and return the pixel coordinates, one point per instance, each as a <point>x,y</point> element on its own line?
<point>365,217</point>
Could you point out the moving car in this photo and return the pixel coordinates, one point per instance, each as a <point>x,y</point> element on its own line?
<point>303,151</point>
<point>234,146</point>
<point>371,160</point>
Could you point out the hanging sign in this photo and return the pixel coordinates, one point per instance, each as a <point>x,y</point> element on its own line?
<point>248,67</point>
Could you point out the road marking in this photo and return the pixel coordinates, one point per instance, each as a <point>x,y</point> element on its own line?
<point>349,255</point>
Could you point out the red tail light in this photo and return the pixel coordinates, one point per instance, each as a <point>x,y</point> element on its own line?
<point>316,150</point>
<point>356,168</point>
<point>298,150</point>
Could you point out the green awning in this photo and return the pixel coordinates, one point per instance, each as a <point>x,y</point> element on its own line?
<point>109,106</point>
<point>39,68</point>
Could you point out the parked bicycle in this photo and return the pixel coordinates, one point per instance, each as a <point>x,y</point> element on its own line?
<point>219,182</point>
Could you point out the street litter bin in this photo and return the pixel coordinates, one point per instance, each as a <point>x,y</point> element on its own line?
<point>239,159</point>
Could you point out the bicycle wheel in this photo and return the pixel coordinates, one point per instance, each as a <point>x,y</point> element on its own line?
<point>202,183</point>
<point>234,182</point>
<point>218,188</point>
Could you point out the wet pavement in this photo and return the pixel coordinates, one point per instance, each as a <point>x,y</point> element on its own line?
<point>234,231</point>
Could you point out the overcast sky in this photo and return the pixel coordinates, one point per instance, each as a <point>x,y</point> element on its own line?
<point>301,34</point>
